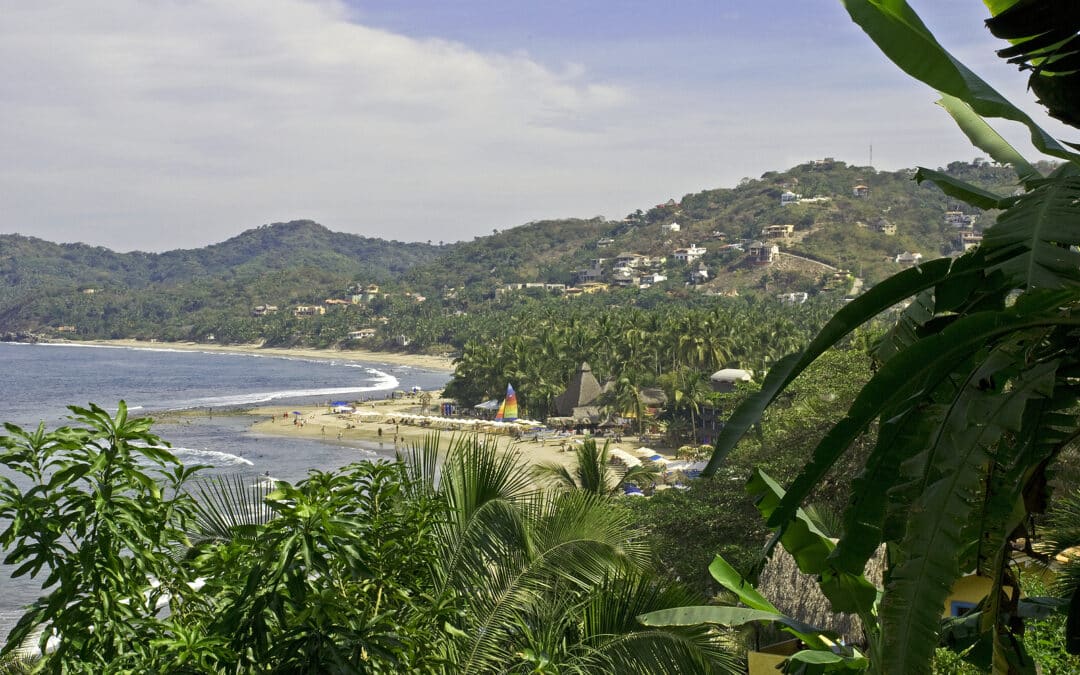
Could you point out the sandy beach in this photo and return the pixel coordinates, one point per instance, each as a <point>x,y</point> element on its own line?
<point>379,422</point>
<point>426,361</point>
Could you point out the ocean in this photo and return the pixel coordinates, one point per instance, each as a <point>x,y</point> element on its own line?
<point>39,381</point>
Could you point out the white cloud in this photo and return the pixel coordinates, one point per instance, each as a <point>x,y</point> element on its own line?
<point>178,123</point>
<point>150,120</point>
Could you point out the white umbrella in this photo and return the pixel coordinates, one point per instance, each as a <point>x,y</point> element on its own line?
<point>625,457</point>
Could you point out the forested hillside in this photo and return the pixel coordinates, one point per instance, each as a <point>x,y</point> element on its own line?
<point>183,294</point>
<point>837,217</point>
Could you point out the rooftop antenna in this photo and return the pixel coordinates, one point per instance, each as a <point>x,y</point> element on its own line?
<point>871,155</point>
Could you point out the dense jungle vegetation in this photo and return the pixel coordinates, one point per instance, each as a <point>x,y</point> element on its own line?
<point>926,428</point>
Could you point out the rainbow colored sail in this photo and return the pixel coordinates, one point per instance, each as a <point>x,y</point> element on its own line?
<point>508,409</point>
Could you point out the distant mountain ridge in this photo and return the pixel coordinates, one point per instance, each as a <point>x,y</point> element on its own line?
<point>843,216</point>
<point>43,284</point>
<point>270,247</point>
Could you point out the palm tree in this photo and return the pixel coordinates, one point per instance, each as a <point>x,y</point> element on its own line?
<point>543,582</point>
<point>625,398</point>
<point>688,390</point>
<point>593,473</point>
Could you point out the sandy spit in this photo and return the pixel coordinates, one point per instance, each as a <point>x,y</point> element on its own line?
<point>425,361</point>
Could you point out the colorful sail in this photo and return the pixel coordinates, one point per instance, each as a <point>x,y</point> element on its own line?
<point>508,411</point>
<point>499,414</point>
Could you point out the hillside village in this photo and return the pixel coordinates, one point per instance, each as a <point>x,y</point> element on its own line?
<point>822,227</point>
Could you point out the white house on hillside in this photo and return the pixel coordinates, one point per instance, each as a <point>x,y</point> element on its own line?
<point>689,255</point>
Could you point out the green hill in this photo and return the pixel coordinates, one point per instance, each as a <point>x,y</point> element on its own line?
<point>839,216</point>
<point>109,294</point>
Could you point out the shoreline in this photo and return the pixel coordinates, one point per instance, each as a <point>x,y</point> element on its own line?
<point>382,424</point>
<point>424,361</point>
<point>381,421</point>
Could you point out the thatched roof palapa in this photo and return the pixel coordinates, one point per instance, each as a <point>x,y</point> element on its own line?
<point>582,392</point>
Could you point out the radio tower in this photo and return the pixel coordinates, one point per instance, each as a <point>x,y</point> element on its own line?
<point>871,155</point>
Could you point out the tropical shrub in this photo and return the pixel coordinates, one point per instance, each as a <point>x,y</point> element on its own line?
<point>419,565</point>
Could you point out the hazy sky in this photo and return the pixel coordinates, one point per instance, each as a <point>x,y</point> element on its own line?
<point>164,124</point>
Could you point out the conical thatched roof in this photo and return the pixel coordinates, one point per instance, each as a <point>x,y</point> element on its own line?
<point>582,391</point>
<point>653,397</point>
<point>797,595</point>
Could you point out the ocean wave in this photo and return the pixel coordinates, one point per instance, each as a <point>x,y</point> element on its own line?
<point>213,457</point>
<point>210,457</point>
<point>381,382</point>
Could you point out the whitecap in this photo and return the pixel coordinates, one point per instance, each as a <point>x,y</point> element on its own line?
<point>380,382</point>
<point>211,457</point>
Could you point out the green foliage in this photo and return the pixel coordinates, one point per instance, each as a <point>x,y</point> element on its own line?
<point>546,578</point>
<point>818,654</point>
<point>635,343</point>
<point>593,472</point>
<point>96,523</point>
<point>333,580</point>
<point>690,527</point>
<point>378,567</point>
<point>973,390</point>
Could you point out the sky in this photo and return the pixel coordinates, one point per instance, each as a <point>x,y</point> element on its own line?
<point>161,124</point>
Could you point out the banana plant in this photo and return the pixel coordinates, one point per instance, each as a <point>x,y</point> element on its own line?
<point>810,547</point>
<point>975,389</point>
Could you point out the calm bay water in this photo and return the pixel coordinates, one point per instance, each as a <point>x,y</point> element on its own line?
<point>37,382</point>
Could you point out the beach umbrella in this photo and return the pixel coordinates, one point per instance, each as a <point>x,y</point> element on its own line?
<point>625,457</point>
<point>645,452</point>
<point>297,412</point>
<point>340,403</point>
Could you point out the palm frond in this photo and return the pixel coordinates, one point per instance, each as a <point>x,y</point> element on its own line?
<point>612,632</point>
<point>230,507</point>
<point>522,554</point>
